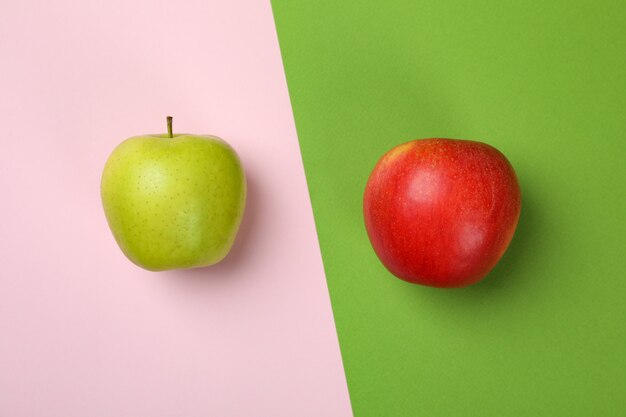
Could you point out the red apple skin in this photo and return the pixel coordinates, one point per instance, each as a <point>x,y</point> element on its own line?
<point>441,212</point>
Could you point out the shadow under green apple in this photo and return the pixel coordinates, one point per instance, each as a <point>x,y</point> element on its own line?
<point>228,268</point>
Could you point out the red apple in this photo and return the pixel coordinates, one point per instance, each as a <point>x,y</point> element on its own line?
<point>441,212</point>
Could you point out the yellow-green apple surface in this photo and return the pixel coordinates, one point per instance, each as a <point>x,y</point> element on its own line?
<point>174,201</point>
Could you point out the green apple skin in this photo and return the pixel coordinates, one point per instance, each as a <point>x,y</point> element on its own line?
<point>174,203</point>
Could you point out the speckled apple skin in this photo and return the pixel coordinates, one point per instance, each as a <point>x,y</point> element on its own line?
<point>441,212</point>
<point>174,203</point>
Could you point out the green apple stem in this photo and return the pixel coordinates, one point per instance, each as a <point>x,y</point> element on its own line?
<point>169,126</point>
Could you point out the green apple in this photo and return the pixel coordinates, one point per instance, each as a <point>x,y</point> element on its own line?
<point>174,201</point>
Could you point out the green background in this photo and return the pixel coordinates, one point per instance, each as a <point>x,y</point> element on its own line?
<point>545,82</point>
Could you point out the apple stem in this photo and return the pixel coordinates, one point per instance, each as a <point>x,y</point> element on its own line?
<point>169,126</point>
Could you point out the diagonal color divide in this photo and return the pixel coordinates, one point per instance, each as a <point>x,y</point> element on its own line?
<point>545,334</point>
<point>83,332</point>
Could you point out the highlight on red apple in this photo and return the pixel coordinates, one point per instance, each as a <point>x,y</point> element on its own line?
<point>441,212</point>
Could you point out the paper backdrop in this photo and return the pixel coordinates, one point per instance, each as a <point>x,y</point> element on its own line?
<point>545,334</point>
<point>85,333</point>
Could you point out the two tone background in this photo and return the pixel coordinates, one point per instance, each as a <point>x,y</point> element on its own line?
<point>301,319</point>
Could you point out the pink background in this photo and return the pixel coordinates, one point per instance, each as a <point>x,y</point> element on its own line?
<point>83,332</point>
